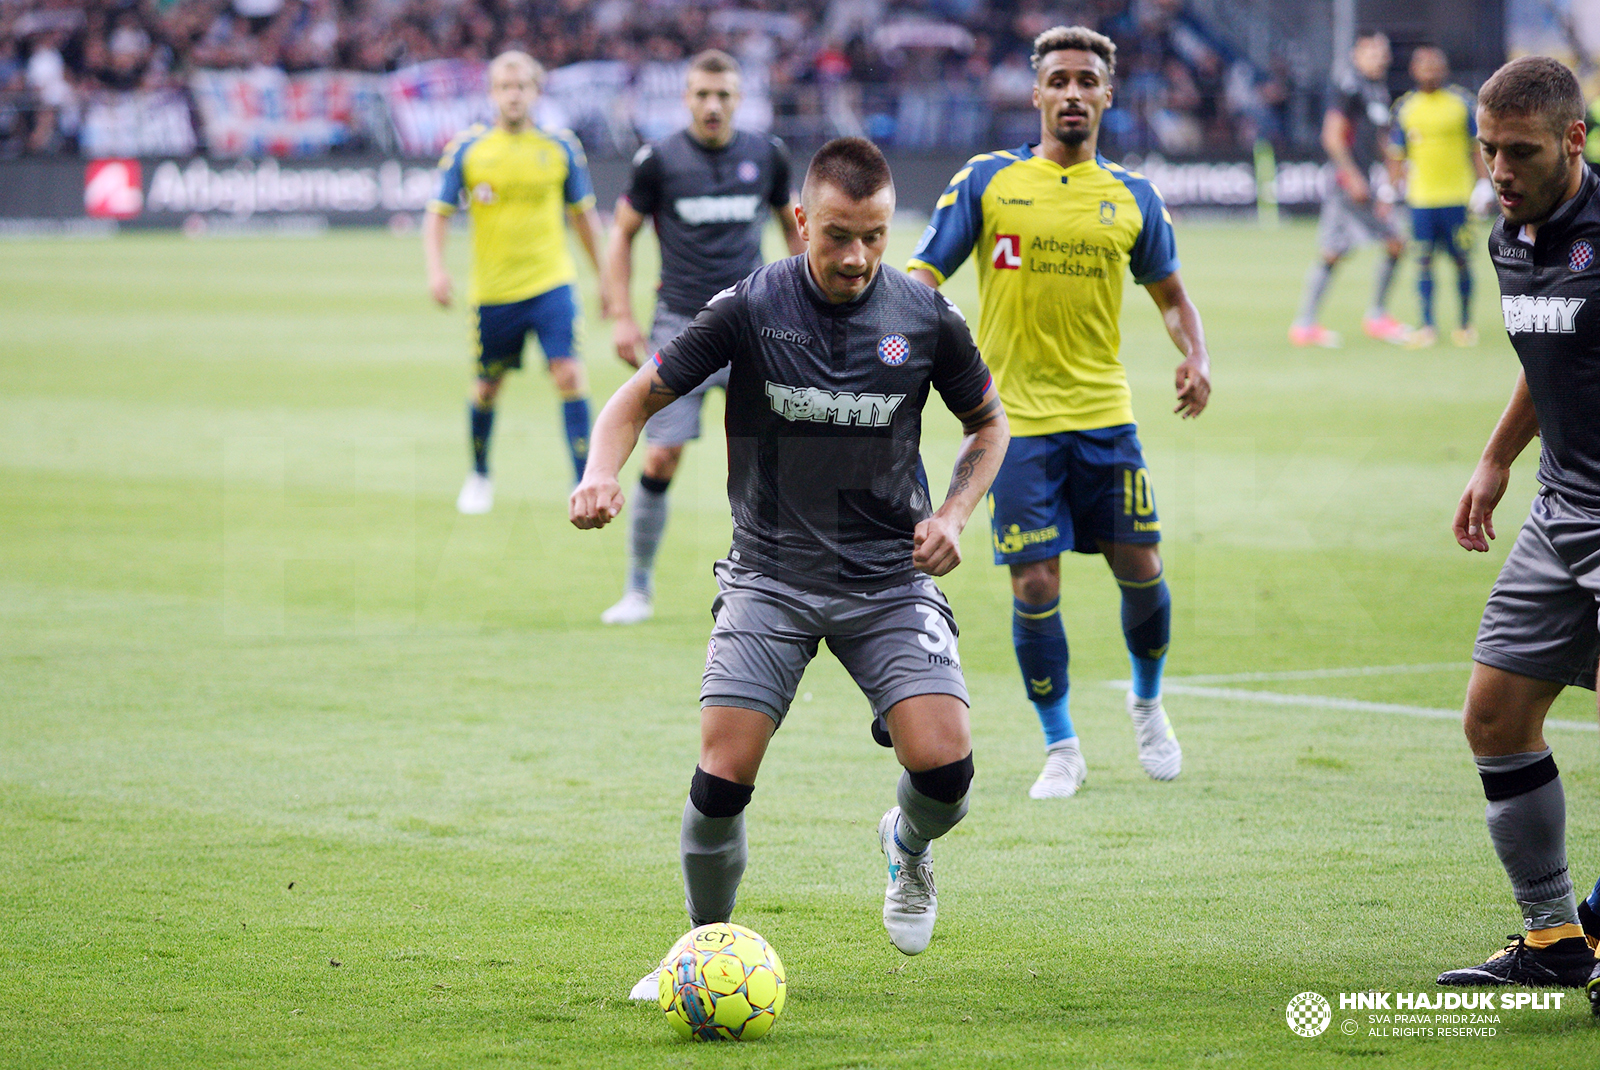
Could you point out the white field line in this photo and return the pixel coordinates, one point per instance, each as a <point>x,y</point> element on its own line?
<point>1327,674</point>
<point>1176,686</point>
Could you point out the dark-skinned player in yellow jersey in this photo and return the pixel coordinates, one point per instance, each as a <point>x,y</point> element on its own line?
<point>1055,226</point>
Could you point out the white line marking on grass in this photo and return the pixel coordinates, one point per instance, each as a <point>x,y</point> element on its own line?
<point>1325,702</point>
<point>1327,674</point>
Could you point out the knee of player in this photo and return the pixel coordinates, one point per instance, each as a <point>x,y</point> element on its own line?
<point>714,796</point>
<point>486,393</point>
<point>945,783</point>
<point>1036,586</point>
<point>661,463</point>
<point>567,374</point>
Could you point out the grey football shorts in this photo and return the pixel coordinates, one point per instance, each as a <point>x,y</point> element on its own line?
<point>895,643</point>
<point>1344,224</point>
<point>679,422</point>
<point>1543,616</point>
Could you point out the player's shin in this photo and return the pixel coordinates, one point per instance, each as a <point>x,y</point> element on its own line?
<point>1527,819</point>
<point>712,846</point>
<point>1425,288</point>
<point>1042,655</point>
<point>480,421</point>
<point>575,415</point>
<point>931,804</point>
<point>1147,628</point>
<point>1464,288</point>
<point>1381,281</point>
<point>649,520</point>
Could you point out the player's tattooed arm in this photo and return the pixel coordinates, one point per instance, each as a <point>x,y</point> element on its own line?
<point>597,499</point>
<point>936,544</point>
<point>1193,378</point>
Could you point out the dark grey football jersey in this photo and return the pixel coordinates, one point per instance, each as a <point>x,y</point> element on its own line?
<point>1365,103</point>
<point>824,417</point>
<point>709,207</point>
<point>1548,298</point>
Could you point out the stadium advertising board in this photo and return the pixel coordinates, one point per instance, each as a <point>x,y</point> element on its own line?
<point>46,195</point>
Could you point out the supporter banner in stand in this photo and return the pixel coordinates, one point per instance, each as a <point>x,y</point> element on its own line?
<point>265,112</point>
<point>150,123</point>
<point>431,102</point>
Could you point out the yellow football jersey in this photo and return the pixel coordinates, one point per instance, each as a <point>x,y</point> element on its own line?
<point>516,187</point>
<point>1053,246</point>
<point>1436,134</point>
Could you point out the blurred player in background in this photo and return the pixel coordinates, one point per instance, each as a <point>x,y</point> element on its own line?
<point>1354,129</point>
<point>1538,633</point>
<point>834,535</point>
<point>1433,152</point>
<point>516,179</point>
<point>708,189</point>
<point>1054,224</point>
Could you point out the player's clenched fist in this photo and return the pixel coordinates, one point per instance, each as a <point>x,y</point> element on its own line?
<point>935,546</point>
<point>594,505</point>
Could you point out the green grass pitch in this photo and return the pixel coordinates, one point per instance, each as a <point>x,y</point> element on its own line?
<point>299,768</point>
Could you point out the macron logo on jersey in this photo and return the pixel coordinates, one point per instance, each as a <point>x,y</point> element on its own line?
<point>1540,315</point>
<point>1008,251</point>
<point>824,406</point>
<point>696,211</point>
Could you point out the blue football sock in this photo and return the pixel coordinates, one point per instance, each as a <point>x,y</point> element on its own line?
<point>1042,656</point>
<point>482,423</point>
<point>1594,898</point>
<point>1425,289</point>
<point>575,413</point>
<point>1464,287</point>
<point>1147,627</point>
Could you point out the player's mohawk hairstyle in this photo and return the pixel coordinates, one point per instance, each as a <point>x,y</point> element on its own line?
<point>1077,39</point>
<point>851,165</point>
<point>1534,85</point>
<point>714,61</point>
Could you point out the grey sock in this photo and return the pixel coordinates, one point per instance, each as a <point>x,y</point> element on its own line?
<point>1317,280</point>
<point>714,854</point>
<point>922,819</point>
<point>1381,282</point>
<point>644,536</point>
<point>1529,833</point>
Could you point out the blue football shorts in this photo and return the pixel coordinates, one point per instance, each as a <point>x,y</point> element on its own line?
<point>1443,227</point>
<point>502,330</point>
<point>1071,491</point>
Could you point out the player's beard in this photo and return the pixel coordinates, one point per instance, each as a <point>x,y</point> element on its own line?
<point>1542,198</point>
<point>1074,137</point>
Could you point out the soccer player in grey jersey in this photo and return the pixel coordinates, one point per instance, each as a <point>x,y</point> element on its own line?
<point>832,356</point>
<point>708,190</point>
<point>1539,630</point>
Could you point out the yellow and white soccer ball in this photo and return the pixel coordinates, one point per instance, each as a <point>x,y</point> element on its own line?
<point>722,982</point>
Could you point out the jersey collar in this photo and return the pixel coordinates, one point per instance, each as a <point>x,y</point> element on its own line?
<point>1095,162</point>
<point>820,300</point>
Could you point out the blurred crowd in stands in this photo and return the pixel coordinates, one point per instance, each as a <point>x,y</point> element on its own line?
<point>912,73</point>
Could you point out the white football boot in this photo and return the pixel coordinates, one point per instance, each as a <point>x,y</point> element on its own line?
<point>910,903</point>
<point>477,495</point>
<point>1159,752</point>
<point>634,608</point>
<point>1064,771</point>
<point>648,987</point>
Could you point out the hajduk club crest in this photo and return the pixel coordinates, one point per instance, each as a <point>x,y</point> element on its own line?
<point>1581,256</point>
<point>893,349</point>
